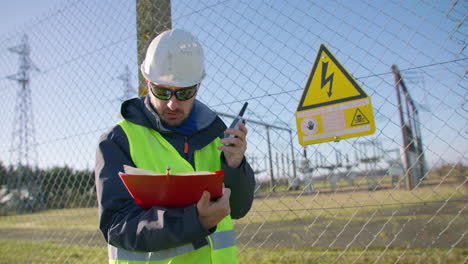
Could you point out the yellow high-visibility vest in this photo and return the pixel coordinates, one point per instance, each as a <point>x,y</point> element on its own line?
<point>150,151</point>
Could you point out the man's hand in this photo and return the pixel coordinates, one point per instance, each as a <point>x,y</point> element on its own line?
<point>211,213</point>
<point>234,148</point>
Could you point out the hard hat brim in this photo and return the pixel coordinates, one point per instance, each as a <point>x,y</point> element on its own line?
<point>168,79</point>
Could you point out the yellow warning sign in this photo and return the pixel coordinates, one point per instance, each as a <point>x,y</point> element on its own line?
<point>359,118</point>
<point>333,106</point>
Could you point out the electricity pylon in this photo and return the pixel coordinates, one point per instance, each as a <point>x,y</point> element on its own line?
<point>23,144</point>
<point>128,91</point>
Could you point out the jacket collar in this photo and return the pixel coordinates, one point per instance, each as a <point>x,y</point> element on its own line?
<point>141,112</point>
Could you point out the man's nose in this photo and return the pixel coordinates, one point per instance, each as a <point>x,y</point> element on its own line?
<point>172,103</point>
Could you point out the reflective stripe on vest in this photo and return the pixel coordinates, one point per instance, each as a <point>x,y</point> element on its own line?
<point>122,254</point>
<point>219,240</point>
<point>146,147</point>
<point>223,239</point>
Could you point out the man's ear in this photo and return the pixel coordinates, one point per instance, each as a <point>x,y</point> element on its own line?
<point>148,92</point>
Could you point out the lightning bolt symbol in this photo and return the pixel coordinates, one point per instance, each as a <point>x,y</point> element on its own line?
<point>328,79</point>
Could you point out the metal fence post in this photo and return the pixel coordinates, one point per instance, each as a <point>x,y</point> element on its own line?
<point>406,143</point>
<point>272,183</point>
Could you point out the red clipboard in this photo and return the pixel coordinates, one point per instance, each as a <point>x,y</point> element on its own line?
<point>172,190</point>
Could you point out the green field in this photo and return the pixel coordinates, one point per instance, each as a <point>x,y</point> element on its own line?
<point>13,251</point>
<point>426,225</point>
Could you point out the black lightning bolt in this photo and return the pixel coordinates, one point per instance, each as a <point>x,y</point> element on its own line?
<point>328,79</point>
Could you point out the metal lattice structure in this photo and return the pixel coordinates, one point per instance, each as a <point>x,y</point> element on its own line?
<point>23,139</point>
<point>22,186</point>
<point>128,90</point>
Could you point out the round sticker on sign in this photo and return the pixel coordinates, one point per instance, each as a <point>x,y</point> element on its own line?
<point>309,125</point>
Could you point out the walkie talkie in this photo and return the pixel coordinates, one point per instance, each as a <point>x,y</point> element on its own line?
<point>235,123</point>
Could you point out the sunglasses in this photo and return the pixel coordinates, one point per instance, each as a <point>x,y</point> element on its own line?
<point>165,94</point>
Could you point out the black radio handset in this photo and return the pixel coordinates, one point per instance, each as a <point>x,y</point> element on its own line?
<point>235,123</point>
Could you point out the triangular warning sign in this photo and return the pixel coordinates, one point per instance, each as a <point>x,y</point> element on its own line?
<point>359,118</point>
<point>329,83</point>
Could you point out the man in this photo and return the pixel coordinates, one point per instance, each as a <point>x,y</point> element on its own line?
<point>170,127</point>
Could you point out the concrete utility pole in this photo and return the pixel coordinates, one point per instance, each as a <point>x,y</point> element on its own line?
<point>153,17</point>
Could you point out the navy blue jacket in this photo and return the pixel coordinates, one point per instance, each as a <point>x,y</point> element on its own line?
<point>123,222</point>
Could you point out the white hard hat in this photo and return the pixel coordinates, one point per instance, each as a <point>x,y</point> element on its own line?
<point>174,57</point>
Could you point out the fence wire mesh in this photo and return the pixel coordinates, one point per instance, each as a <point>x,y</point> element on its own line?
<point>64,75</point>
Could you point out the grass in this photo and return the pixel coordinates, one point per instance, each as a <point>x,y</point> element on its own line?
<point>71,235</point>
<point>307,256</point>
<point>283,207</point>
<point>22,251</point>
<point>268,209</point>
<point>85,219</point>
<point>282,184</point>
<point>51,252</point>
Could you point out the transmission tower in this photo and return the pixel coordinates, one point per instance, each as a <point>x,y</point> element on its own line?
<point>23,143</point>
<point>128,91</point>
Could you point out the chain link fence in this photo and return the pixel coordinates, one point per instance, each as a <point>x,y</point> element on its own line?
<point>64,75</point>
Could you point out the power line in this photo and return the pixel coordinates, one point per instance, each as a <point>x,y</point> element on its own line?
<point>91,52</point>
<point>68,137</point>
<point>48,17</point>
<point>256,97</point>
<point>201,9</point>
<point>358,78</point>
<point>413,68</point>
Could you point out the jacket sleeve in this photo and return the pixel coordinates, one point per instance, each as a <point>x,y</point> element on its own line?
<point>122,221</point>
<point>241,181</point>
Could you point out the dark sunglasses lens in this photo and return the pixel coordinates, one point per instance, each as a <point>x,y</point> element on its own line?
<point>186,94</point>
<point>161,93</point>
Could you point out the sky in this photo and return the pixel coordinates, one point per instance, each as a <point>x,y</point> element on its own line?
<point>17,13</point>
<point>256,51</point>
